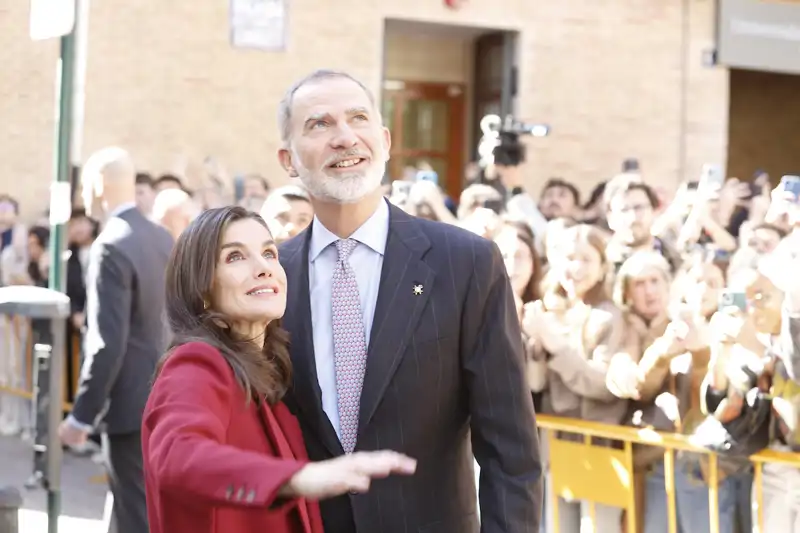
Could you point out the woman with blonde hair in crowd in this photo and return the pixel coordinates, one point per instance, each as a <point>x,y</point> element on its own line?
<point>573,332</point>
<point>665,384</point>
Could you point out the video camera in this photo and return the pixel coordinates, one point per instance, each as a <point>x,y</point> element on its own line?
<point>500,144</point>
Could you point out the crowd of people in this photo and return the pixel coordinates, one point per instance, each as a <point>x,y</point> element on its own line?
<point>637,309</point>
<point>676,310</point>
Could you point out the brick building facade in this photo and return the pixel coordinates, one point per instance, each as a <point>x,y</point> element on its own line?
<point>613,79</point>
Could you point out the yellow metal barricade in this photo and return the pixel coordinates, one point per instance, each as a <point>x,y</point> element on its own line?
<point>604,475</point>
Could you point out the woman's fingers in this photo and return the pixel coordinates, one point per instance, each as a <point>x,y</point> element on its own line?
<point>383,463</point>
<point>358,482</point>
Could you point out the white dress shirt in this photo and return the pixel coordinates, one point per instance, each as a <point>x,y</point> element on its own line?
<point>367,262</point>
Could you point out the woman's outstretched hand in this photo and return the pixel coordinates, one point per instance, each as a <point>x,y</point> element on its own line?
<point>348,473</point>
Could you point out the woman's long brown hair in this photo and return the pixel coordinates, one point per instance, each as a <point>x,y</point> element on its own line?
<point>262,372</point>
<point>525,235</point>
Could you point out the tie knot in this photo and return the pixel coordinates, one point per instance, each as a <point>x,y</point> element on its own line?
<point>345,247</point>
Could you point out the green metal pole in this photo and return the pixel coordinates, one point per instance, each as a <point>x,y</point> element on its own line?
<point>65,87</point>
<point>60,188</point>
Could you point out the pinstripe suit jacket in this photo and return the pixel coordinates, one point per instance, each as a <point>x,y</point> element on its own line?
<point>445,379</point>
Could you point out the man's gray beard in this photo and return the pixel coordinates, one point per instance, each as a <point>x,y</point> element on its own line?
<point>323,191</point>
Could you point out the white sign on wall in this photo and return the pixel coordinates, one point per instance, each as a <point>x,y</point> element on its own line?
<point>259,24</point>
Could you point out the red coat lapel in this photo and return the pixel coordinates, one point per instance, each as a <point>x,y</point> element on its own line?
<point>276,420</point>
<point>291,430</point>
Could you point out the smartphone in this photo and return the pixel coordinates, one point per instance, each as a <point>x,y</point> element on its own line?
<point>401,187</point>
<point>427,175</point>
<point>791,184</point>
<point>238,188</point>
<point>711,177</point>
<point>630,165</point>
<point>495,205</point>
<point>722,256</point>
<point>730,298</point>
<point>756,189</point>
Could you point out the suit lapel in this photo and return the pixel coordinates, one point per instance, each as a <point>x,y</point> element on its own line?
<point>398,308</point>
<point>297,320</point>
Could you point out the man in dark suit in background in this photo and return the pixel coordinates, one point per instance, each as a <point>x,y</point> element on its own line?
<point>125,331</point>
<point>404,336</point>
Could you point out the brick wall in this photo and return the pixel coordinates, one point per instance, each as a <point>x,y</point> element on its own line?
<point>163,81</point>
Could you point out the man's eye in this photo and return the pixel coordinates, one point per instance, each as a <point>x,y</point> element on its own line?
<point>318,124</point>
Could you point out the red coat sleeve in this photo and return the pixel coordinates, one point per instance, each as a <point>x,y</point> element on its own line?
<point>185,423</point>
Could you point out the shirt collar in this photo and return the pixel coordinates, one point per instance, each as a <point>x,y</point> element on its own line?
<point>373,233</point>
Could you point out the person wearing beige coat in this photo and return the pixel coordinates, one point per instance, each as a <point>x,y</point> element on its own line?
<point>573,332</point>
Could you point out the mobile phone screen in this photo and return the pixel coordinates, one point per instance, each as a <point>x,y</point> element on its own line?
<point>733,299</point>
<point>712,176</point>
<point>791,184</point>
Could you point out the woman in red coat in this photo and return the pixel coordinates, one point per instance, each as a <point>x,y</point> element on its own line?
<point>222,453</point>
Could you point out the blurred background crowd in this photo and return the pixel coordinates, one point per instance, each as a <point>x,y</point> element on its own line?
<point>652,237</point>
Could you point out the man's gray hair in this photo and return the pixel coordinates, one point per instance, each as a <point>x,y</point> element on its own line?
<point>285,106</point>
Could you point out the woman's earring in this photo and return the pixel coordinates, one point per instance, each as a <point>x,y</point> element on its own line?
<point>205,304</point>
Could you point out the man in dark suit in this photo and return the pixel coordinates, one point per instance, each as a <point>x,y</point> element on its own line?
<point>404,336</point>
<point>125,331</point>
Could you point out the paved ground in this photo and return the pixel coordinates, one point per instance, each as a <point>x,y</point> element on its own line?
<point>82,501</point>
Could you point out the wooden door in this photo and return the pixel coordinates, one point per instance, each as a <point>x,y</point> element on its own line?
<point>427,124</point>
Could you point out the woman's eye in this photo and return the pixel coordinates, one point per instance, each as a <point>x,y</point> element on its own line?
<point>270,254</point>
<point>233,256</point>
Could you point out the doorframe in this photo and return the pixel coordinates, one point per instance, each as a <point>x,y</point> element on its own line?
<point>404,91</point>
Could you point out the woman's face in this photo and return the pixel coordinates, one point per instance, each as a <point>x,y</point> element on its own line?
<point>703,289</point>
<point>764,305</point>
<point>518,258</point>
<point>35,249</point>
<point>79,231</point>
<point>287,217</point>
<point>648,292</point>
<point>249,285</point>
<point>554,241</point>
<point>581,268</point>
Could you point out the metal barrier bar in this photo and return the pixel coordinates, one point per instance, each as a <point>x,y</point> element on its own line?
<point>758,480</point>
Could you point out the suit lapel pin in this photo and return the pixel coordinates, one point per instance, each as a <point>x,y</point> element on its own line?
<point>417,289</point>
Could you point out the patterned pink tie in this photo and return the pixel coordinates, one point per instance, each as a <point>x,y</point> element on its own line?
<point>349,343</point>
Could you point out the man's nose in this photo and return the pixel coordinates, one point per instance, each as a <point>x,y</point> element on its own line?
<point>345,137</point>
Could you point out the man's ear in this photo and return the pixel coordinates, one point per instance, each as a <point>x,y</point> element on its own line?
<point>285,159</point>
<point>387,142</point>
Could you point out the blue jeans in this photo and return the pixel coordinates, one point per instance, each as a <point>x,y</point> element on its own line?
<point>691,500</point>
